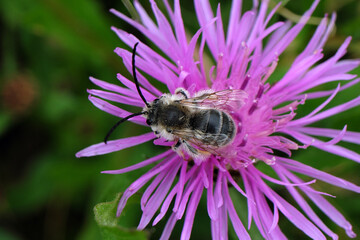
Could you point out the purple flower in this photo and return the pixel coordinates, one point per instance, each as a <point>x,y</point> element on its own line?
<point>245,55</point>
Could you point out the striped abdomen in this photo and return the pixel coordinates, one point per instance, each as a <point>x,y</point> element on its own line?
<point>216,127</point>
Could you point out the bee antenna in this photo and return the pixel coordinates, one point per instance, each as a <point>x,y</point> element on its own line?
<point>119,122</point>
<point>134,75</point>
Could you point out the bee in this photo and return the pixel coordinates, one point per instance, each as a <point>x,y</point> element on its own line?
<point>199,126</point>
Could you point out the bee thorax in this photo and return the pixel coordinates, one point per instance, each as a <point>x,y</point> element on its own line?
<point>172,116</point>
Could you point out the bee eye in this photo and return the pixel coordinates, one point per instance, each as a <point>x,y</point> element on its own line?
<point>156,100</point>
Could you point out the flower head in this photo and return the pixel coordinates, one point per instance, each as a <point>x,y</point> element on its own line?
<point>263,115</point>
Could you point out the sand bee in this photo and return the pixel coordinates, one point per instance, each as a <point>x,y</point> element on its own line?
<point>199,125</point>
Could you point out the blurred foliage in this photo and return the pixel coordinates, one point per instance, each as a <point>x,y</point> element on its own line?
<point>49,48</point>
<point>118,228</point>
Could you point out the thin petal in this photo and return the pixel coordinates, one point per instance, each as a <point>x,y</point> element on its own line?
<point>114,88</point>
<point>116,111</point>
<point>283,173</point>
<point>169,227</point>
<point>115,145</point>
<point>140,182</point>
<point>157,198</point>
<point>116,97</point>
<point>334,149</point>
<point>314,173</point>
<point>235,14</point>
<point>141,164</point>
<point>352,137</point>
<point>290,212</point>
<point>210,195</point>
<point>237,224</point>
<point>328,113</point>
<point>190,212</point>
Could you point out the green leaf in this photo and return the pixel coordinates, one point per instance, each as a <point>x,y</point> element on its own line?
<point>5,121</point>
<point>114,228</point>
<point>6,235</point>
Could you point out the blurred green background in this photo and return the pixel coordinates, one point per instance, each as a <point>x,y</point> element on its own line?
<point>49,48</point>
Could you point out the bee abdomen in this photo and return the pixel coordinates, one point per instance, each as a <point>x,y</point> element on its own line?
<point>214,122</point>
<point>217,127</point>
<point>227,128</point>
<point>222,126</point>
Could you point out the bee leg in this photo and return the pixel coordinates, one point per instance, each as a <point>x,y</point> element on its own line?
<point>191,149</point>
<point>177,145</point>
<point>197,153</point>
<point>182,92</point>
<point>157,134</point>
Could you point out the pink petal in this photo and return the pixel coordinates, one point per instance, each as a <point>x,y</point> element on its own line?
<point>334,149</point>
<point>140,182</point>
<point>210,195</point>
<point>114,88</point>
<point>314,173</point>
<point>190,212</point>
<point>237,224</point>
<point>116,111</point>
<point>116,97</point>
<point>235,14</point>
<point>352,137</point>
<point>302,202</point>
<point>328,113</point>
<point>141,164</point>
<point>115,145</point>
<point>159,195</point>
<point>169,227</point>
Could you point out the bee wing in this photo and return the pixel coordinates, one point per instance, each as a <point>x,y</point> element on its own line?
<point>228,99</point>
<point>187,134</point>
<point>205,147</point>
<point>204,141</point>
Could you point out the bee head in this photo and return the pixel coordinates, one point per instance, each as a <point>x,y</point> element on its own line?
<point>152,112</point>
